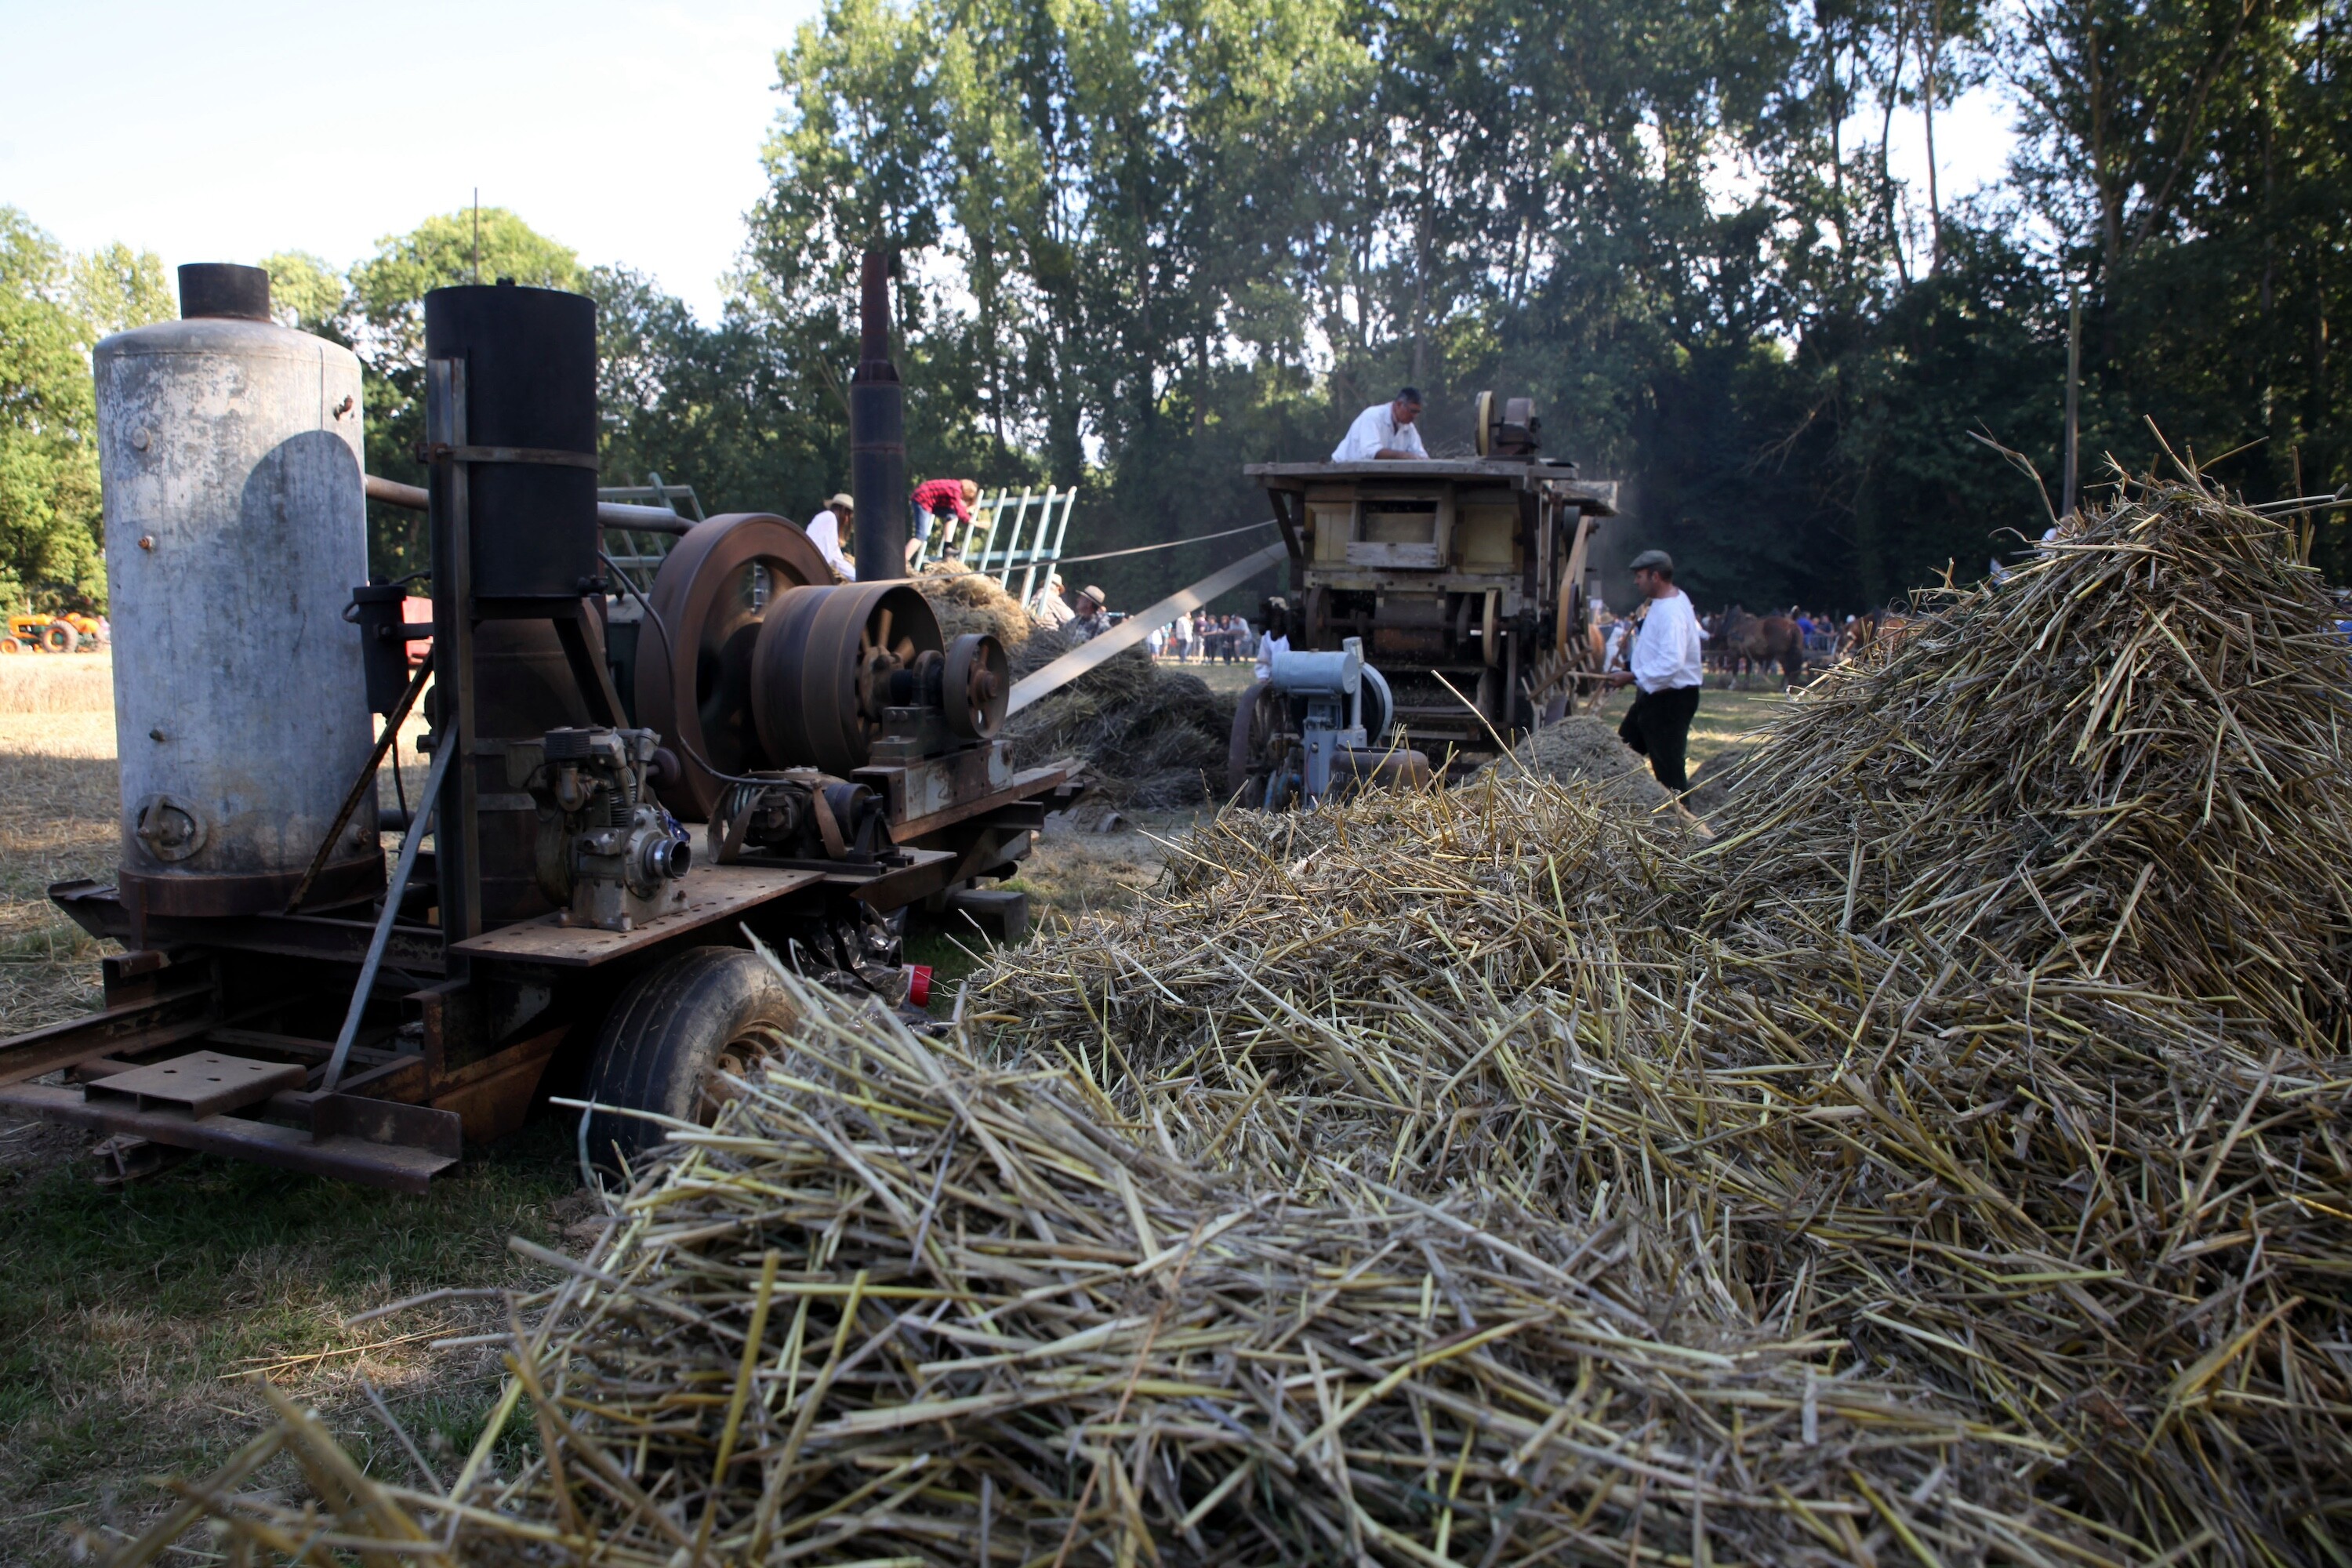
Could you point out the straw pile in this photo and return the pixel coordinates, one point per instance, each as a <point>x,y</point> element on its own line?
<point>1150,737</point>
<point>1490,1176</point>
<point>1715,782</point>
<point>914,1308</point>
<point>967,601</point>
<point>2128,760</point>
<point>1923,1052</point>
<point>1583,746</point>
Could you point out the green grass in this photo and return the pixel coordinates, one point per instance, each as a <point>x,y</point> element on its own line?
<point>132,1320</point>
<point>1723,716</point>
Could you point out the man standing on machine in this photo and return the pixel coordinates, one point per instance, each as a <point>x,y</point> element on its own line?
<point>1666,667</point>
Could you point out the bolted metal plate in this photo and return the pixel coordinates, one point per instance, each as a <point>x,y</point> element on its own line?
<point>202,1083</point>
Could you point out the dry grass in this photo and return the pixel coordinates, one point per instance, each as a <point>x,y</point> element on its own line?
<point>1152,734</point>
<point>1491,1175</point>
<point>1582,747</point>
<point>970,602</point>
<point>58,805</point>
<point>54,683</point>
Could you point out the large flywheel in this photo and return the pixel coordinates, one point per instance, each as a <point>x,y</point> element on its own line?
<point>712,594</point>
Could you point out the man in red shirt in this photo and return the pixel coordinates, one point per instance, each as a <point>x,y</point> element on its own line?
<point>942,499</point>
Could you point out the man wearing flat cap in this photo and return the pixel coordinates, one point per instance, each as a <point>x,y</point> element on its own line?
<point>1665,670</point>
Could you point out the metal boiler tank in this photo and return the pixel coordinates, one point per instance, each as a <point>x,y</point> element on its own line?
<point>235,529</point>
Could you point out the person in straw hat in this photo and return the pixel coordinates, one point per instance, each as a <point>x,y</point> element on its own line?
<point>1093,617</point>
<point>825,531</point>
<point>1053,611</point>
<point>1666,669</point>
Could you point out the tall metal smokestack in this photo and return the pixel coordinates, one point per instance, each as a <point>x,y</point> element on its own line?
<point>877,432</point>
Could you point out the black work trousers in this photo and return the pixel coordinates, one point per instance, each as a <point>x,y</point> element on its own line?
<point>1658,726</point>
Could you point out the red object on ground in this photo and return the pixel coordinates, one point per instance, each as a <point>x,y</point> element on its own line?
<point>919,984</point>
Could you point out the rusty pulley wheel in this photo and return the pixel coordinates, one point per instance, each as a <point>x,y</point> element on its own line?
<point>829,661</point>
<point>713,592</point>
<point>976,682</point>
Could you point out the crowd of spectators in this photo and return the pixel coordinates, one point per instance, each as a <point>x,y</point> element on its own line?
<point>1201,640</point>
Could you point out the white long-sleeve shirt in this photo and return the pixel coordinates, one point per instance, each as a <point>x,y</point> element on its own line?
<point>1374,428</point>
<point>1666,656</point>
<point>1268,645</point>
<point>823,531</point>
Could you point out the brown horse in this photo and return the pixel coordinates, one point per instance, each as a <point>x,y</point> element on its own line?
<point>1875,635</point>
<point>1765,640</point>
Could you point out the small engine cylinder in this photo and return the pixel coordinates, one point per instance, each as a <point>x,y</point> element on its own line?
<point>609,856</point>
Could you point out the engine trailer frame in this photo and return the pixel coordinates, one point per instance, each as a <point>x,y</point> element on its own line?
<point>458,1039</point>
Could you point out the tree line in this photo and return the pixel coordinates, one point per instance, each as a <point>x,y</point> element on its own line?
<point>1143,243</point>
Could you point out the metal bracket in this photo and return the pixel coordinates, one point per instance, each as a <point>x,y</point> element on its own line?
<point>450,452</point>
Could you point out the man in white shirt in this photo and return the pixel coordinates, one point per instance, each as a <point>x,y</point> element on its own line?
<point>1384,430</point>
<point>825,531</point>
<point>1666,669</point>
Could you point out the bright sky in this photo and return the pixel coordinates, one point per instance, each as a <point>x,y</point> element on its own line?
<point>629,129</point>
<point>223,131</point>
<point>1973,142</point>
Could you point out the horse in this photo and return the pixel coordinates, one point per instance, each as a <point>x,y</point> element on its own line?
<point>1765,640</point>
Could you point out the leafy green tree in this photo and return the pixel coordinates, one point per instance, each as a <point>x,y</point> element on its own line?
<point>2196,153</point>
<point>115,288</point>
<point>306,293</point>
<point>53,307</point>
<point>721,408</point>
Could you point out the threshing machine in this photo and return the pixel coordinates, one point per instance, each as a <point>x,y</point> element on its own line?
<point>1473,573</point>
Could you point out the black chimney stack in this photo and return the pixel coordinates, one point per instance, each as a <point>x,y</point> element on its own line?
<point>877,432</point>
<point>223,288</point>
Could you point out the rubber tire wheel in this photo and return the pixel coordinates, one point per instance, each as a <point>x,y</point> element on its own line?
<point>10,645</point>
<point>61,637</point>
<point>667,1031</point>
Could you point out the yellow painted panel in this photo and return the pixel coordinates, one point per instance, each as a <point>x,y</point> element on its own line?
<point>1331,524</point>
<point>1401,527</point>
<point>1483,537</point>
